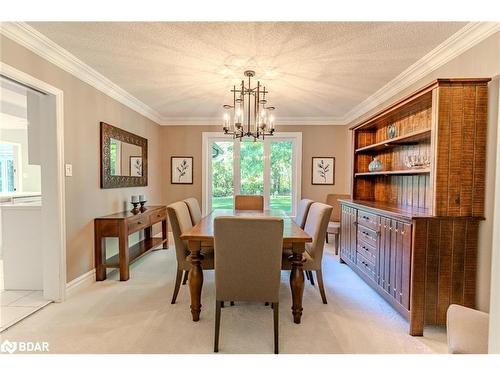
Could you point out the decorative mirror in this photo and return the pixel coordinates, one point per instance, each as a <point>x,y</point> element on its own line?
<point>124,158</point>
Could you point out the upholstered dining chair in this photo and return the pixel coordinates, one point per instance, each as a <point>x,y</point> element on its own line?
<point>249,202</point>
<point>194,210</point>
<point>334,224</point>
<point>247,270</point>
<point>316,224</point>
<point>302,210</point>
<point>180,220</point>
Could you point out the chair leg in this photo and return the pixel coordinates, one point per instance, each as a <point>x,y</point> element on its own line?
<point>326,238</point>
<point>276,314</point>
<point>337,243</point>
<point>218,305</point>
<point>307,275</point>
<point>178,279</point>
<point>186,273</point>
<point>311,277</point>
<point>232,303</point>
<point>319,276</point>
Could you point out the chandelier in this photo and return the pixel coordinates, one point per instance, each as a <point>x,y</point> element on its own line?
<point>250,107</point>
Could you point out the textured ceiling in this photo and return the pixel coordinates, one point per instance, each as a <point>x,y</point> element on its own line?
<point>312,69</point>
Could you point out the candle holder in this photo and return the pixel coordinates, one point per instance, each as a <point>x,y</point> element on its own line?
<point>135,210</point>
<point>143,207</point>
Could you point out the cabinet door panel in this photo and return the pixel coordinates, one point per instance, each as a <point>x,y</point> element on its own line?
<point>353,229</point>
<point>406,264</point>
<point>399,261</point>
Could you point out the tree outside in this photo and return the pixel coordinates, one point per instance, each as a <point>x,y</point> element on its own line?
<point>252,173</point>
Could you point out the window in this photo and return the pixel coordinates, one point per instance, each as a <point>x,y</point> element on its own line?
<point>8,167</point>
<point>270,168</point>
<point>222,175</point>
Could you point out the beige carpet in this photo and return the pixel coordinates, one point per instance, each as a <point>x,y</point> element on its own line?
<point>136,317</point>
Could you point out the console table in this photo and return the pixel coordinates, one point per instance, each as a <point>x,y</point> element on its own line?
<point>121,225</point>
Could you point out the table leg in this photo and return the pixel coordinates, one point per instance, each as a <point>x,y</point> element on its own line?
<point>297,281</point>
<point>100,255</point>
<point>195,278</point>
<point>147,233</point>
<point>123,253</point>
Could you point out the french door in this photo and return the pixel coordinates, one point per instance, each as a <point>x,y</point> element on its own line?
<point>270,168</point>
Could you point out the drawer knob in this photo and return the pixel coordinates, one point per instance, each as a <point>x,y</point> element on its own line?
<point>139,222</point>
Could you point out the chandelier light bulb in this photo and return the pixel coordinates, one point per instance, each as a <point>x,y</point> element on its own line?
<point>271,122</point>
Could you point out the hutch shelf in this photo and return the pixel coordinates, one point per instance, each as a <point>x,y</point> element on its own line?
<point>412,234</point>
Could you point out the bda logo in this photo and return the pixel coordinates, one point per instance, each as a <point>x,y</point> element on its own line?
<point>8,347</point>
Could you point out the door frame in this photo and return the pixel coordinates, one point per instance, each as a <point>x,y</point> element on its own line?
<point>208,137</point>
<point>54,269</point>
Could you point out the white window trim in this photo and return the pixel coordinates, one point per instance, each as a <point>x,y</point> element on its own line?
<point>295,137</point>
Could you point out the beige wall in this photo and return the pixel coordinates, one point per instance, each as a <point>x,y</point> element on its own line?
<point>84,108</point>
<point>483,60</point>
<point>494,339</point>
<point>316,141</point>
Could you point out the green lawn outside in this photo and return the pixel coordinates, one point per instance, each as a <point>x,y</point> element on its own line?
<point>278,203</point>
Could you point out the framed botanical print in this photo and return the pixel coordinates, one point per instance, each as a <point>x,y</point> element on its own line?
<point>135,166</point>
<point>323,170</point>
<point>181,170</point>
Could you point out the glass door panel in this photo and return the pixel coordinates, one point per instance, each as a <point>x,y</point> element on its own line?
<point>222,156</point>
<point>252,168</point>
<point>281,175</point>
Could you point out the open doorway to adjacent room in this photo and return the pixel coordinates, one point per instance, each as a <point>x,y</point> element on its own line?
<point>30,276</point>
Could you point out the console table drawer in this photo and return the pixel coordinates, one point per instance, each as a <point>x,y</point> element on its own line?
<point>138,224</point>
<point>157,216</point>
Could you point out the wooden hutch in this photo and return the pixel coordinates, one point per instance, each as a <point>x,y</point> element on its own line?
<point>412,233</point>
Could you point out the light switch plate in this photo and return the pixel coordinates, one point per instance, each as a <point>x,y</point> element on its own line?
<point>69,170</point>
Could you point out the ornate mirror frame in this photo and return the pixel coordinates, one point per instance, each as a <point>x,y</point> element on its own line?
<point>107,180</point>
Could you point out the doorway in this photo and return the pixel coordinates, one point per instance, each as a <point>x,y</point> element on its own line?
<point>32,235</point>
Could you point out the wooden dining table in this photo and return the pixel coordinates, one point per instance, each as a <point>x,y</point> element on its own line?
<point>294,239</point>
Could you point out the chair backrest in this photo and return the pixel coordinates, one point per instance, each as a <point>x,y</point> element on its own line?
<point>180,220</point>
<point>302,211</point>
<point>316,225</point>
<point>333,200</point>
<point>249,202</point>
<point>194,210</point>
<point>248,254</point>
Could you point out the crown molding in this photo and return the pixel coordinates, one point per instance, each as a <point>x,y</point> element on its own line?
<point>38,43</point>
<point>464,39</point>
<point>289,121</point>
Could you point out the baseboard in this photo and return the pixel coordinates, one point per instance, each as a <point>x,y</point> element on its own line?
<point>81,282</point>
<point>87,279</point>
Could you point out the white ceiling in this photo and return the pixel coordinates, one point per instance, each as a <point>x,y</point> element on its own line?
<point>184,70</point>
